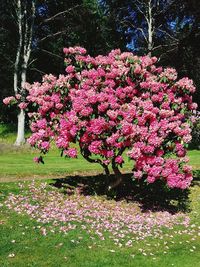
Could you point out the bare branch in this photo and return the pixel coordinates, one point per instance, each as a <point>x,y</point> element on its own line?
<point>51,35</point>
<point>167,52</point>
<point>50,53</point>
<point>164,45</point>
<point>137,28</point>
<point>40,71</point>
<point>163,11</point>
<point>143,34</point>
<point>31,62</point>
<point>140,10</point>
<point>60,13</point>
<point>168,34</point>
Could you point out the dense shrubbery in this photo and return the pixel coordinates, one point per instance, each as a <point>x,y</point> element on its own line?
<point>115,104</point>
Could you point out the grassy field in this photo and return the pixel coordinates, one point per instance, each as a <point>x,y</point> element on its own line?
<point>24,242</point>
<point>19,165</point>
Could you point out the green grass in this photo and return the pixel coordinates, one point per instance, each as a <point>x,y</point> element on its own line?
<point>20,164</point>
<point>33,249</point>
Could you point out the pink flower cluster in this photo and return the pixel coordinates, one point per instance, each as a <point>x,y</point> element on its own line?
<point>9,100</point>
<point>114,104</point>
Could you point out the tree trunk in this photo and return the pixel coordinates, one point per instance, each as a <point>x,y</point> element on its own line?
<point>22,57</point>
<point>20,128</point>
<point>105,167</point>
<point>150,28</point>
<point>19,47</point>
<point>106,170</point>
<point>21,116</point>
<point>118,177</point>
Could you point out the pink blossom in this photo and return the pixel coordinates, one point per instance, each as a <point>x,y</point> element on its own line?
<point>71,152</point>
<point>9,100</point>
<point>70,69</point>
<point>119,159</point>
<point>23,105</point>
<point>151,179</point>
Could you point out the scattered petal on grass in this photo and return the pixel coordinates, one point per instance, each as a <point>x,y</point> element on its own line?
<point>121,222</point>
<point>12,255</point>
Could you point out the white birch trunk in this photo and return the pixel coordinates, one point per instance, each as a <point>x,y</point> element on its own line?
<point>20,128</point>
<point>25,39</point>
<point>150,28</point>
<point>18,54</point>
<point>21,116</point>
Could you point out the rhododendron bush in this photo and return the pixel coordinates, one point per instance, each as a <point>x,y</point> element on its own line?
<point>115,105</point>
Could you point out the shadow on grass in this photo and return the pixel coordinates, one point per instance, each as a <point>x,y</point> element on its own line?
<point>196,177</point>
<point>154,197</point>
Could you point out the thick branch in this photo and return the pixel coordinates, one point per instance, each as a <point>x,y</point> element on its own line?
<point>106,169</point>
<point>31,30</point>
<point>25,35</point>
<point>19,47</point>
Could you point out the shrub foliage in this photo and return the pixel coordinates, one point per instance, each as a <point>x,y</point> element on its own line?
<point>112,105</point>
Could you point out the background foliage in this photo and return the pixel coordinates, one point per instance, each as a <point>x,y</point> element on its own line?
<point>99,26</point>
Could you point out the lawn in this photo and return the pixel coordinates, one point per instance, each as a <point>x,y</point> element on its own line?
<point>71,222</point>
<point>28,239</point>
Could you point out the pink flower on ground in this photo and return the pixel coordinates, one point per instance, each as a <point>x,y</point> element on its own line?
<point>36,160</point>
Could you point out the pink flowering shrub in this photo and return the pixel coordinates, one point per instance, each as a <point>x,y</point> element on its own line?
<point>112,105</point>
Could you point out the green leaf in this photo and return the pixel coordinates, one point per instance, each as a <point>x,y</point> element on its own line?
<point>120,117</point>
<point>119,126</point>
<point>121,139</point>
<point>175,106</point>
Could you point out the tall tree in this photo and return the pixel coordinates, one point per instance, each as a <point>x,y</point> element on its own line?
<point>24,13</point>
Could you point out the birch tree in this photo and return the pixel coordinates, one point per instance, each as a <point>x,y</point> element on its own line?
<point>25,14</point>
<point>146,23</point>
<point>154,15</point>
